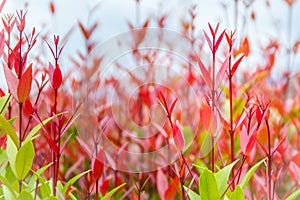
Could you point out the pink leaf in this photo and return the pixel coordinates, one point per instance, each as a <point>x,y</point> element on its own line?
<point>173,105</point>
<point>178,136</point>
<point>161,184</point>
<point>12,82</point>
<point>208,41</point>
<point>205,73</point>
<point>221,72</point>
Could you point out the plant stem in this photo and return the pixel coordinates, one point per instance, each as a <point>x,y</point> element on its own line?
<point>97,188</point>
<point>231,132</point>
<point>269,164</point>
<point>213,104</point>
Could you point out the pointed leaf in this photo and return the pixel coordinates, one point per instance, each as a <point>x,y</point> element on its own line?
<point>219,41</point>
<point>249,174</point>
<point>208,186</point>
<point>112,192</point>
<point>178,136</point>
<point>25,195</point>
<point>192,195</point>
<point>10,131</point>
<point>34,131</point>
<point>24,159</point>
<point>237,194</point>
<point>12,81</point>
<point>24,85</point>
<point>208,41</point>
<point>4,103</point>
<point>221,72</point>
<point>173,105</point>
<point>98,165</point>
<point>222,176</point>
<point>211,30</point>
<point>236,64</point>
<point>205,73</point>
<point>72,181</point>
<point>294,195</point>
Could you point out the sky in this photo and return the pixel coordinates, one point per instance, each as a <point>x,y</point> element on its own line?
<point>113,15</point>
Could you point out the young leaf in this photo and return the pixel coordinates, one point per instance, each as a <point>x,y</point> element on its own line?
<point>57,78</point>
<point>24,85</point>
<point>24,159</point>
<point>205,73</point>
<point>25,195</point>
<point>97,165</point>
<point>208,186</point>
<point>178,136</point>
<point>236,64</point>
<point>12,81</point>
<point>161,183</point>
<point>294,195</point>
<point>72,181</point>
<point>34,131</point>
<point>10,131</point>
<point>221,72</point>
<point>192,195</point>
<point>222,176</point>
<point>237,194</point>
<point>249,174</point>
<point>112,192</point>
<point>208,41</point>
<point>219,41</point>
<point>4,102</point>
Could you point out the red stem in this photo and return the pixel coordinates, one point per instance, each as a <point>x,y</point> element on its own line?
<point>269,163</point>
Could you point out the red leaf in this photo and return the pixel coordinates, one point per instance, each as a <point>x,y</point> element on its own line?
<point>24,85</point>
<point>97,165</point>
<point>1,93</point>
<point>296,159</point>
<point>173,105</point>
<point>104,187</point>
<point>52,144</point>
<point>12,82</point>
<point>229,40</point>
<point>83,30</point>
<point>219,41</point>
<point>205,73</point>
<point>162,184</point>
<point>55,76</point>
<point>27,108</point>
<point>211,30</point>
<point>178,136</point>
<point>258,114</point>
<point>171,191</point>
<point>236,64</point>
<point>52,7</point>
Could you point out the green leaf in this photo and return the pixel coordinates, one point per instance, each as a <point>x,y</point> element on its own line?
<point>112,192</point>
<point>192,195</point>
<point>24,160</point>
<point>208,186</point>
<point>11,151</point>
<point>8,194</point>
<point>37,175</point>
<point>9,131</point>
<point>34,131</point>
<point>237,194</point>
<point>188,136</point>
<point>250,173</point>
<point>294,195</point>
<point>223,175</point>
<point>25,195</point>
<point>3,106</point>
<point>72,181</point>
